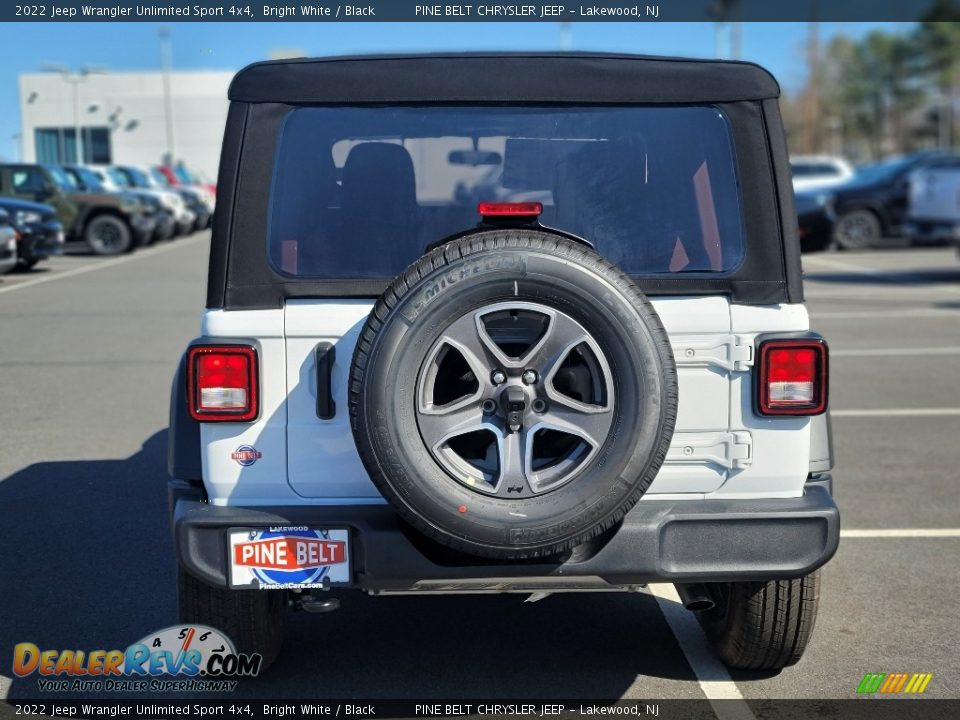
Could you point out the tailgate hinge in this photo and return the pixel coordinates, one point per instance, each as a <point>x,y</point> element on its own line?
<point>726,449</point>
<point>733,353</point>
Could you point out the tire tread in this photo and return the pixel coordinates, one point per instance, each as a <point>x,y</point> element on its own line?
<point>521,240</point>
<point>253,619</point>
<point>765,625</point>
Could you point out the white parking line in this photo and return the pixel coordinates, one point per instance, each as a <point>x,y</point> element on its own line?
<point>102,264</point>
<point>715,681</point>
<point>885,314</point>
<point>894,352</point>
<point>902,533</point>
<point>816,290</point>
<point>897,412</point>
<point>864,270</point>
<point>840,265</point>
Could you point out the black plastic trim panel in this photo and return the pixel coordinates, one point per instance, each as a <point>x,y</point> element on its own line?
<point>183,435</point>
<point>659,541</point>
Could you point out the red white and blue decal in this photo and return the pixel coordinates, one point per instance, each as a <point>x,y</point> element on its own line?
<point>246,455</point>
<point>290,557</point>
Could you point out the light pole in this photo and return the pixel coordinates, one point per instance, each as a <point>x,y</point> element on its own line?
<point>165,63</point>
<point>726,18</point>
<point>566,36</point>
<point>74,78</point>
<point>92,109</point>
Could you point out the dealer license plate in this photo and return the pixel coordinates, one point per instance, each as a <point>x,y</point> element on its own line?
<point>289,557</point>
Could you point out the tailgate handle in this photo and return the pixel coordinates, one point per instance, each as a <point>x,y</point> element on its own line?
<point>326,355</point>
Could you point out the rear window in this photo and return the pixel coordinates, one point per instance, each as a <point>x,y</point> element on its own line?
<point>360,192</point>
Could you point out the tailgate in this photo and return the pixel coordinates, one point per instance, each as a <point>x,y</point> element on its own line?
<point>935,195</point>
<point>719,443</point>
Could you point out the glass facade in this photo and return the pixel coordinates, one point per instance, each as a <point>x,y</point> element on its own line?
<point>58,145</point>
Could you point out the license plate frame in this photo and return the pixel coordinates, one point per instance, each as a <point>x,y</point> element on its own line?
<point>288,557</point>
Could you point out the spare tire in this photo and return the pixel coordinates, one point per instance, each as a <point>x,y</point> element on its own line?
<point>513,394</point>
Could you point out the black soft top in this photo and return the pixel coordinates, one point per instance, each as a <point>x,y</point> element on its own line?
<point>263,95</point>
<point>503,77</point>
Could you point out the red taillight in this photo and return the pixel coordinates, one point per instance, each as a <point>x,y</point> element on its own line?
<point>793,377</point>
<point>222,383</point>
<point>510,209</point>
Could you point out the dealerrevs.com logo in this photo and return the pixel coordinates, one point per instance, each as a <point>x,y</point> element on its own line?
<point>180,658</point>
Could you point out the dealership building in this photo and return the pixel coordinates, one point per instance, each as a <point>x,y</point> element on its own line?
<point>124,117</point>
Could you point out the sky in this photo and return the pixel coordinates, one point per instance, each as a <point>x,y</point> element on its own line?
<point>230,46</point>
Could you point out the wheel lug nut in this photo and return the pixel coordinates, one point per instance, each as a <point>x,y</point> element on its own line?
<point>539,406</point>
<point>488,406</point>
<point>499,377</point>
<point>529,377</point>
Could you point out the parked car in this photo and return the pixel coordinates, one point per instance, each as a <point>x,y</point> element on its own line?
<point>396,392</point>
<point>934,208</point>
<point>39,233</point>
<point>8,244</point>
<point>873,205</point>
<point>200,201</point>
<point>180,175</point>
<point>819,172</point>
<point>109,223</point>
<point>137,178</point>
<point>89,181</point>
<point>815,220</point>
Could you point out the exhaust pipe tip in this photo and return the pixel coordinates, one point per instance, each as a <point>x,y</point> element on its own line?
<point>695,597</point>
<point>316,605</point>
<point>699,605</point>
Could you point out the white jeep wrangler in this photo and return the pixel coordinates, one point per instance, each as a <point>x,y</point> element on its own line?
<point>523,323</point>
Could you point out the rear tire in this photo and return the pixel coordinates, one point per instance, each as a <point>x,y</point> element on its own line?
<point>108,235</point>
<point>26,265</point>
<point>253,619</point>
<point>762,625</point>
<point>858,230</point>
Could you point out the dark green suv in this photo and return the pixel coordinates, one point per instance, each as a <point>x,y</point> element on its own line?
<point>110,223</point>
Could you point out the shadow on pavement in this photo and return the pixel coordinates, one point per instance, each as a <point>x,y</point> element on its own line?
<point>87,556</point>
<point>892,277</point>
<point>88,564</point>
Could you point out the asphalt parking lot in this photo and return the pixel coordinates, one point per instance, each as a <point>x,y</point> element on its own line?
<point>87,350</point>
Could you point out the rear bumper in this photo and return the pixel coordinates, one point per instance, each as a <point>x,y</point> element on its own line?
<point>931,230</point>
<point>659,541</point>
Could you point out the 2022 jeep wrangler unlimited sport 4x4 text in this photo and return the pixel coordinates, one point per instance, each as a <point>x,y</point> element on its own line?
<point>531,336</point>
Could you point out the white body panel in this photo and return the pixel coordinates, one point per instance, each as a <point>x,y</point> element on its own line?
<point>8,249</point>
<point>935,195</point>
<point>819,172</point>
<point>720,447</point>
